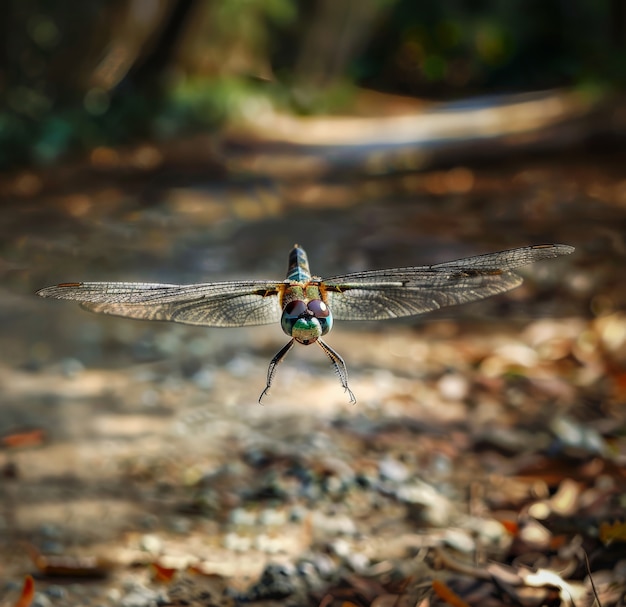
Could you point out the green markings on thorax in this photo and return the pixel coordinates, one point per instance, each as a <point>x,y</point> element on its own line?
<point>300,291</point>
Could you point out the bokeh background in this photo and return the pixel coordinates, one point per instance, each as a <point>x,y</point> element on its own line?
<point>197,140</point>
<point>107,73</point>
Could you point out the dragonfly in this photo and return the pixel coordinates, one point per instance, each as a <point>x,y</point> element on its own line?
<point>306,305</point>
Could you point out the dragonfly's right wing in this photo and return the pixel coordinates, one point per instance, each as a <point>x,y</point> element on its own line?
<point>398,292</point>
<point>220,304</point>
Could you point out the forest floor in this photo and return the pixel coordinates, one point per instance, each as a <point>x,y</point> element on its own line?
<point>483,464</point>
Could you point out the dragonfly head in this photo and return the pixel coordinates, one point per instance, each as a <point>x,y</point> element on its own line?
<point>306,322</point>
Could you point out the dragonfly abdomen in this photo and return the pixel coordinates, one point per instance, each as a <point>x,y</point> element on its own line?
<point>298,265</point>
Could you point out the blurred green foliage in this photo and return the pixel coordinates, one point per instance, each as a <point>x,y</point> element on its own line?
<point>447,48</point>
<point>79,75</point>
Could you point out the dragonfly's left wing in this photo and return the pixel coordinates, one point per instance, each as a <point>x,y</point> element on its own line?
<point>383,294</point>
<point>219,304</point>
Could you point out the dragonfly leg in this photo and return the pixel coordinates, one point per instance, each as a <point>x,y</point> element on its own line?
<point>340,368</point>
<point>271,370</point>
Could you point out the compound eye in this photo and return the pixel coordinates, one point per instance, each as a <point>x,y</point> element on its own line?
<point>318,308</point>
<point>294,309</point>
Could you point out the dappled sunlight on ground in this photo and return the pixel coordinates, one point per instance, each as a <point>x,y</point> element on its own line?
<point>486,435</point>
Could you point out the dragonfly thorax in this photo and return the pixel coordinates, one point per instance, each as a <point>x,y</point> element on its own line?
<point>306,322</point>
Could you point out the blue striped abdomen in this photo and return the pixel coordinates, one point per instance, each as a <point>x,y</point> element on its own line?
<point>298,265</point>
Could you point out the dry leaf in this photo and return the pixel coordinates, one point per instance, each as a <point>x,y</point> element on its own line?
<point>445,593</point>
<point>28,592</point>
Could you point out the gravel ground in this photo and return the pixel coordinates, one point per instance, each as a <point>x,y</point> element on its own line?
<point>483,460</point>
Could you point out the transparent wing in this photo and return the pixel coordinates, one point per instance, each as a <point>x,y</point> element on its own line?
<point>220,304</point>
<point>382,294</point>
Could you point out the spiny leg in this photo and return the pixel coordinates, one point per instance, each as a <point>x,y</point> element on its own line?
<point>340,368</point>
<point>271,370</point>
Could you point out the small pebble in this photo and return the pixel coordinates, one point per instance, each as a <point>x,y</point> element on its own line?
<point>204,379</point>
<point>535,534</point>
<point>56,592</point>
<point>241,516</point>
<point>240,367</point>
<point>459,540</point>
<point>179,524</point>
<point>308,572</point>
<point>334,525</point>
<point>298,513</point>
<point>333,485</point>
<point>453,387</point>
<point>40,600</point>
<point>151,543</point>
<point>71,367</point>
<point>270,545</point>
<point>114,595</point>
<point>441,464</point>
<point>324,565</point>
<point>491,531</point>
<point>277,582</point>
<point>341,548</point>
<point>392,470</point>
<point>358,562</point>
<point>141,596</point>
<point>426,504</point>
<point>575,435</point>
<point>237,543</point>
<point>272,517</point>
